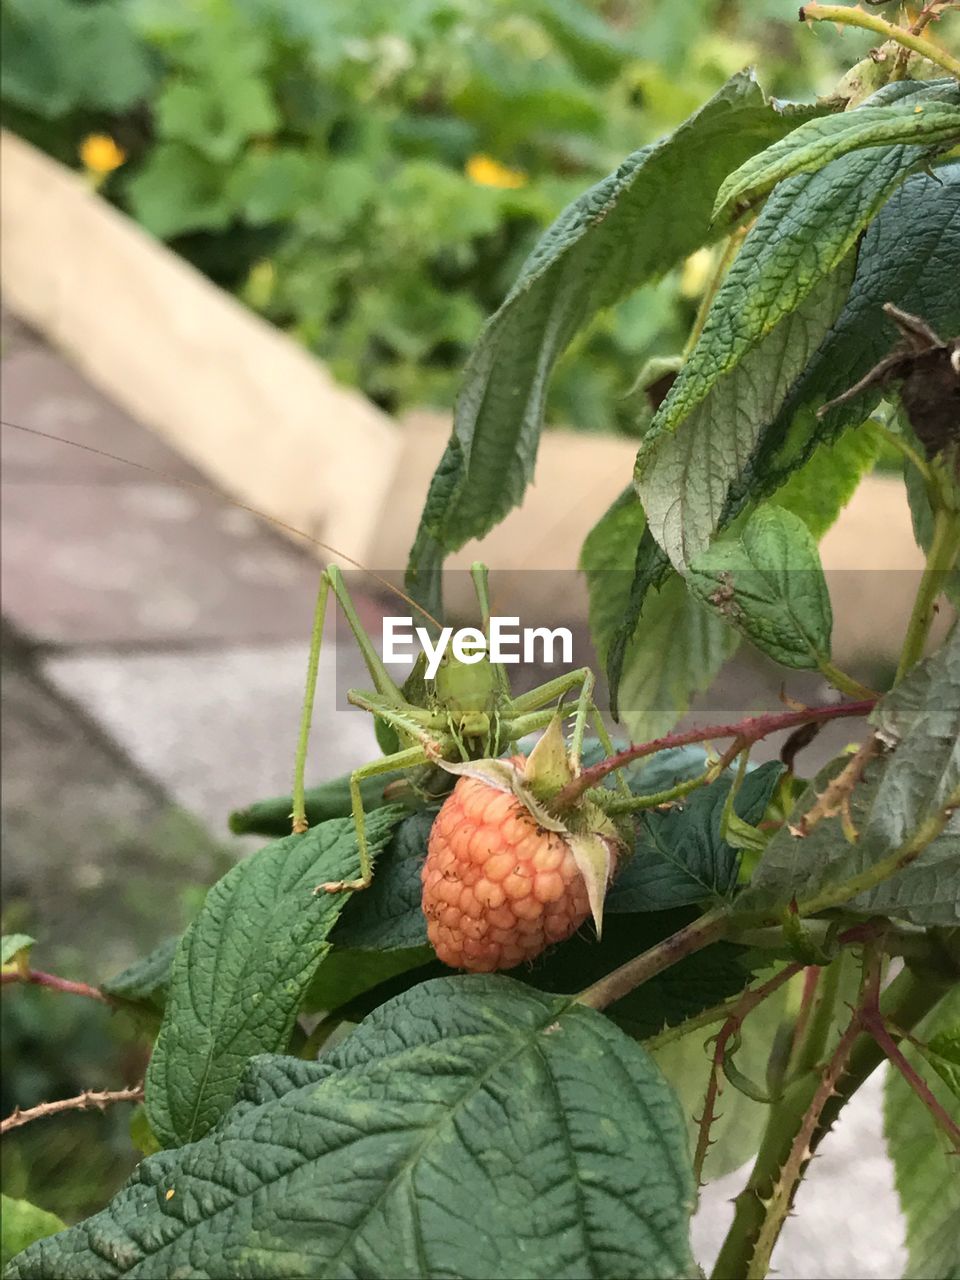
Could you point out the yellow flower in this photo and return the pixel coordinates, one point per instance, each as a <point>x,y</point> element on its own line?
<point>100,154</point>
<point>487,172</point>
<point>695,273</point>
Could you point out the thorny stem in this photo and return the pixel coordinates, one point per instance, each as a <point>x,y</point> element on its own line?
<point>693,937</point>
<point>905,1002</point>
<point>747,1002</point>
<point>872,1020</point>
<point>873,22</point>
<point>812,1036</point>
<point>941,559</point>
<point>836,895</point>
<point>90,1098</point>
<point>799,1157</point>
<point>926,16</point>
<point>907,451</point>
<point>844,682</point>
<point>746,732</point>
<point>55,983</point>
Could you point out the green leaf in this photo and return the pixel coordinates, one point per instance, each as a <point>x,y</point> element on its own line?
<point>242,969</point>
<point>943,1054</point>
<point>925,1170</point>
<point>608,242</point>
<point>22,1223</point>
<point>607,559</point>
<point>216,116</point>
<point>816,143</point>
<point>774,307</point>
<point>651,681</point>
<point>692,457</point>
<point>675,651</point>
<point>767,581</point>
<point>816,492</point>
<point>680,856</point>
<point>910,248</point>
<point>921,718</point>
<point>141,1135</point>
<point>58,57</point>
<point>471,1127</point>
<point>348,973</point>
<point>695,983</point>
<point>147,982</point>
<point>12,944</point>
<point>387,916</point>
<point>593,46</point>
<point>820,489</point>
<point>179,190</point>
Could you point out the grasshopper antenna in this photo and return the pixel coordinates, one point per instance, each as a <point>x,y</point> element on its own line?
<point>243,506</point>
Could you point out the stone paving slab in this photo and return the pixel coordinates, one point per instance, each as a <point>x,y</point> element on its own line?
<point>146,564</point>
<point>847,1221</point>
<point>95,855</point>
<point>40,390</point>
<point>217,729</point>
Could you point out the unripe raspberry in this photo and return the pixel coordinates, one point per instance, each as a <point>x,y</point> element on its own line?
<point>498,888</point>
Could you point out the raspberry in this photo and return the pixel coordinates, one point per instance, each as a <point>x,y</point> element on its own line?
<point>497,887</point>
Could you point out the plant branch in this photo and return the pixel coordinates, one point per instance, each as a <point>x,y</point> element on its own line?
<point>692,937</point>
<point>844,682</point>
<point>908,999</point>
<point>746,732</point>
<point>856,17</point>
<point>941,559</point>
<point>800,1154</point>
<point>86,1101</point>
<point>37,978</point>
<point>836,895</point>
<point>872,1020</point>
<point>745,1004</point>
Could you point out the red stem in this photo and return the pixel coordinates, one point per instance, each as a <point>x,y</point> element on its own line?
<point>747,1002</point>
<point>55,983</point>
<point>745,731</point>
<point>811,980</point>
<point>872,1021</point>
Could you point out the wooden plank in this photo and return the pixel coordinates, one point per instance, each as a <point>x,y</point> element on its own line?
<point>252,409</point>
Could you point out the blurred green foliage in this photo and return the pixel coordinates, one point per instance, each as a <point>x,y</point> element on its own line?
<point>320,159</point>
<point>315,159</point>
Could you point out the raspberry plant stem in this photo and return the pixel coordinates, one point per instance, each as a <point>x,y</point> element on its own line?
<point>745,731</point>
<point>908,999</point>
<point>692,937</point>
<point>873,22</point>
<point>747,1002</point>
<point>85,1101</point>
<point>38,978</point>
<point>941,559</point>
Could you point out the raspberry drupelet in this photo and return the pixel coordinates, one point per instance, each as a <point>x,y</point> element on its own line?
<point>497,888</point>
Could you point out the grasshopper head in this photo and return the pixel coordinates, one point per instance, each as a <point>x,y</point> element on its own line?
<point>467,692</point>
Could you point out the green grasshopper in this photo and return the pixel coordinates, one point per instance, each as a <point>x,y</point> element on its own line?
<point>466,713</point>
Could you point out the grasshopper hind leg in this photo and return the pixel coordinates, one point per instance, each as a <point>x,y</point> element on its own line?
<point>405,759</point>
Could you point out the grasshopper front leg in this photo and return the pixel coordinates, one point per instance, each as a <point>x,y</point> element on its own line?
<point>405,759</point>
